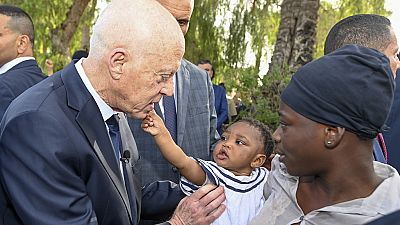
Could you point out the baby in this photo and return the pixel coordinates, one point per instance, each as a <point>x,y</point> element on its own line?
<point>238,159</point>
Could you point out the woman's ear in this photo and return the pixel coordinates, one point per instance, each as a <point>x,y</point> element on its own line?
<point>258,161</point>
<point>333,136</point>
<point>117,62</point>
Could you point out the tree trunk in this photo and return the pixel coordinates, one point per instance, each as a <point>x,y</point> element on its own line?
<point>86,28</point>
<point>296,36</point>
<point>61,36</point>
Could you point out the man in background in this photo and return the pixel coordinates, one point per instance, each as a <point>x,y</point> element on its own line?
<point>221,104</point>
<point>18,68</point>
<point>376,33</point>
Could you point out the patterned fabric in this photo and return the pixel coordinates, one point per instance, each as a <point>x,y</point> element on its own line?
<point>281,207</point>
<point>115,135</point>
<point>244,194</point>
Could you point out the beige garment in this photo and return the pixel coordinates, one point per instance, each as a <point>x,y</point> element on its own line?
<point>281,206</point>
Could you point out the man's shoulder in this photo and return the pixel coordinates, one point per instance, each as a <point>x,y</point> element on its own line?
<point>23,70</point>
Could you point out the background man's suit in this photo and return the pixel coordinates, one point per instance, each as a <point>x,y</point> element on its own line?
<point>196,125</point>
<point>74,175</point>
<point>392,135</point>
<point>16,80</point>
<point>221,106</point>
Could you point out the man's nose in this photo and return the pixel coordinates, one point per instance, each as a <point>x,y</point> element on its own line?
<point>168,89</point>
<point>276,136</point>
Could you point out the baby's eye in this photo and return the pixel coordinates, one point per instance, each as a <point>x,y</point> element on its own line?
<point>240,142</point>
<point>223,138</point>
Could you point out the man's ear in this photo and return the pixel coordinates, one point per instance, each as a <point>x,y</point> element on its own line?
<point>23,43</point>
<point>258,161</point>
<point>333,136</point>
<point>118,59</point>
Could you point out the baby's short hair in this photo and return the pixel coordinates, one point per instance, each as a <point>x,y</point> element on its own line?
<point>265,133</point>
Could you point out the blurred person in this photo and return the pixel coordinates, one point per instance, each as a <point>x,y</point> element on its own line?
<point>78,54</point>
<point>49,67</point>
<point>221,104</point>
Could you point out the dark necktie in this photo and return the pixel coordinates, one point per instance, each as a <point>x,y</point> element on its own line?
<point>170,115</point>
<point>115,135</point>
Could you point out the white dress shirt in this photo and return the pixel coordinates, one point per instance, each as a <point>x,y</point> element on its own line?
<point>6,67</point>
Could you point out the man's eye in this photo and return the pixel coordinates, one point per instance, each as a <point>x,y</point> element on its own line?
<point>183,22</point>
<point>165,77</point>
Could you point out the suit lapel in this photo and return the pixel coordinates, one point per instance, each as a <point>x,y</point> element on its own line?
<point>91,122</point>
<point>183,91</point>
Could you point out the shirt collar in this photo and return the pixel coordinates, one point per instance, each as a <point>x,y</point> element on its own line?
<point>387,192</point>
<point>6,67</point>
<point>105,110</point>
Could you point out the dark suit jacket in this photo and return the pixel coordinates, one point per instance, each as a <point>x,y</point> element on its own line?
<point>57,164</point>
<point>16,80</point>
<point>392,135</point>
<point>221,106</point>
<point>196,125</point>
<point>391,219</point>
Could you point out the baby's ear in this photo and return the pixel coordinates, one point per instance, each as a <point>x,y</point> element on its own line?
<point>268,162</point>
<point>258,161</point>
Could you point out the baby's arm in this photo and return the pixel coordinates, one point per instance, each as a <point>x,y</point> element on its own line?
<point>187,166</point>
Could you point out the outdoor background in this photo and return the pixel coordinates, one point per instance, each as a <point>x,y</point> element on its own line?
<point>255,45</point>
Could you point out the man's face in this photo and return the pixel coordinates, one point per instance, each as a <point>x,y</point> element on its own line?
<point>208,68</point>
<point>181,10</point>
<point>299,142</point>
<point>391,52</point>
<point>8,41</point>
<point>145,81</point>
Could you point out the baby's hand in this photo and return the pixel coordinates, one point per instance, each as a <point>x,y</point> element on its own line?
<point>152,124</point>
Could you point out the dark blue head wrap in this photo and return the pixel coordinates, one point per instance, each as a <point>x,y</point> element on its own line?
<point>352,88</point>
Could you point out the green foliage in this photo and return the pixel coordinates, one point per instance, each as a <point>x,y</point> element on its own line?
<point>222,31</point>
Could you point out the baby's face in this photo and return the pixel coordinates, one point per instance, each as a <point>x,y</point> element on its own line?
<point>238,147</point>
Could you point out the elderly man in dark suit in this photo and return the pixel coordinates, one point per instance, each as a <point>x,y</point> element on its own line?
<point>18,69</point>
<point>190,116</point>
<point>65,154</point>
